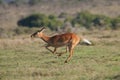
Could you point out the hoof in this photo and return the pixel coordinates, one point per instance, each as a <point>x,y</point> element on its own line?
<point>65,62</point>
<point>59,55</point>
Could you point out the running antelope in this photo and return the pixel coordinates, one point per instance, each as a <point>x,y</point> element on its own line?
<point>70,40</point>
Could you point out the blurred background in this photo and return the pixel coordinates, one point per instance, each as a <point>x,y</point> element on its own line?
<point>18,17</point>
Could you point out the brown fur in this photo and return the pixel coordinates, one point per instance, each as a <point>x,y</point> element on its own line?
<point>70,40</point>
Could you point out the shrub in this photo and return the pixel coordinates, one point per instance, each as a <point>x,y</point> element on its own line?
<point>33,2</point>
<point>38,20</point>
<point>88,20</point>
<point>52,17</point>
<point>63,15</point>
<point>1,2</point>
<point>33,20</point>
<point>102,21</point>
<point>116,23</point>
<point>83,18</point>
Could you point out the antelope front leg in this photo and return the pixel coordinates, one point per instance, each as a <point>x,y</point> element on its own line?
<point>50,49</point>
<point>54,50</point>
<point>66,49</point>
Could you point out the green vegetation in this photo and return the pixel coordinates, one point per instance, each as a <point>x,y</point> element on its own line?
<point>34,2</point>
<point>116,23</point>
<point>40,20</point>
<point>89,21</point>
<point>27,60</point>
<point>82,19</point>
<point>1,2</point>
<point>63,15</point>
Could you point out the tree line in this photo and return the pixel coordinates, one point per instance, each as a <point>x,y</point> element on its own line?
<point>19,2</point>
<point>81,19</point>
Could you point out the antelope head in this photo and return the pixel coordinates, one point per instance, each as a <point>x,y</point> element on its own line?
<point>38,33</point>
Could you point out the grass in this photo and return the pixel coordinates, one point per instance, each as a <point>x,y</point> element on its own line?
<point>28,60</point>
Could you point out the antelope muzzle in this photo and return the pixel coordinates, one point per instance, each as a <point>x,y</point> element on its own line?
<point>33,35</point>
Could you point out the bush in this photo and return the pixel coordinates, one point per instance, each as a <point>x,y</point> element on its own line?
<point>52,17</point>
<point>88,20</point>
<point>84,19</point>
<point>33,2</point>
<point>1,2</point>
<point>39,20</point>
<point>116,23</point>
<point>33,20</point>
<point>63,15</point>
<point>101,21</point>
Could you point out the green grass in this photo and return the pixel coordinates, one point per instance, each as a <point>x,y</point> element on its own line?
<point>33,62</point>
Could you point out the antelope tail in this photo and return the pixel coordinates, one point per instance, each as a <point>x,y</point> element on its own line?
<point>86,41</point>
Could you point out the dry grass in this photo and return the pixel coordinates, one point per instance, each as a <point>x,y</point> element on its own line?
<point>22,59</point>
<point>13,43</point>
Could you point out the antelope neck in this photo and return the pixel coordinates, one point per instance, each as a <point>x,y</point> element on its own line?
<point>45,38</point>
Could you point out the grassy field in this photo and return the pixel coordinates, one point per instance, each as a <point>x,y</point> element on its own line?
<point>23,59</point>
